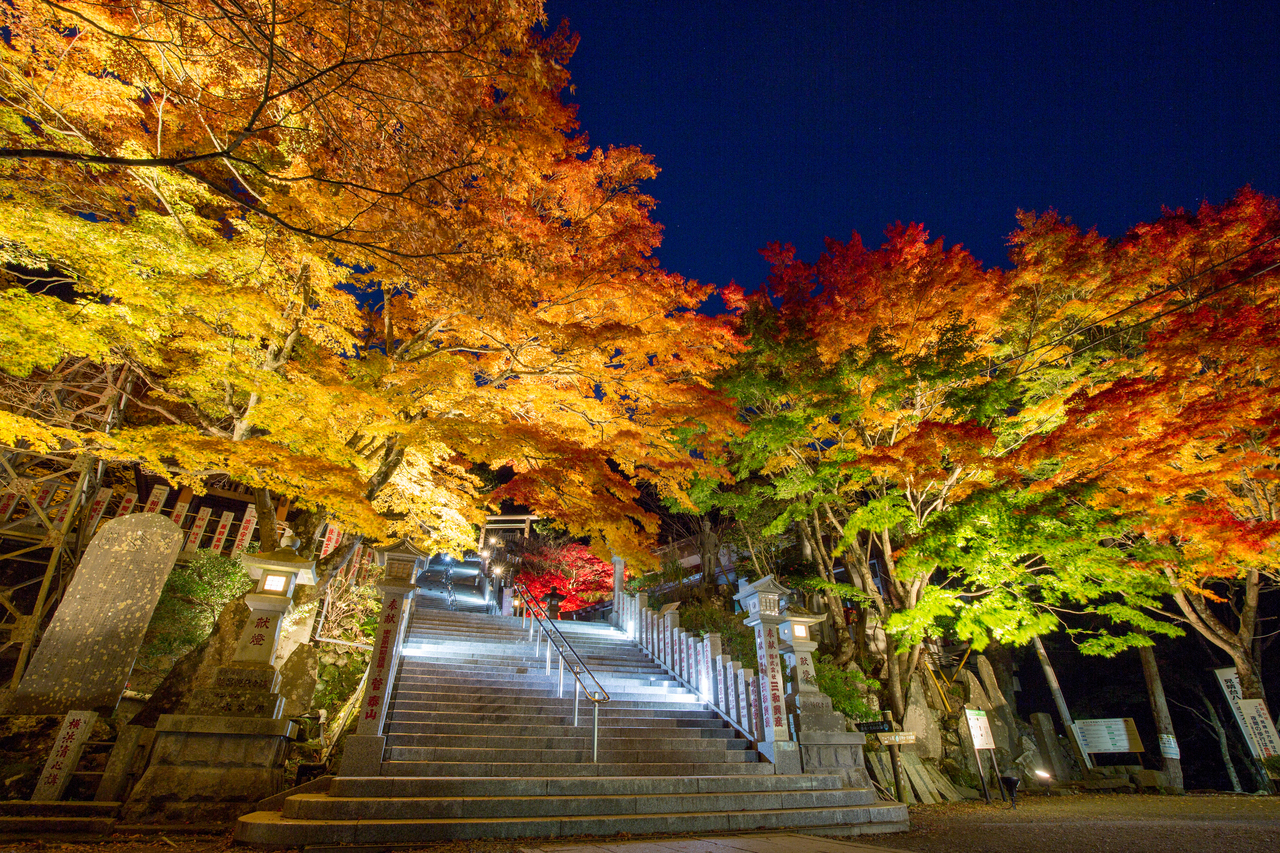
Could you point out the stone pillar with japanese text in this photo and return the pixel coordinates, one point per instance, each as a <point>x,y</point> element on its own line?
<point>362,754</point>
<point>762,601</point>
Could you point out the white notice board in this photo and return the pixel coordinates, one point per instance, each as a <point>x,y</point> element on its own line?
<point>1110,735</point>
<point>980,729</point>
<point>1251,715</point>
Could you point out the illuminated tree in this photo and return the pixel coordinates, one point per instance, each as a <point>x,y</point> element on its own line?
<point>352,249</point>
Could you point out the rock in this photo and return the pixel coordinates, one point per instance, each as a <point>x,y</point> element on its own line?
<point>1149,780</point>
<point>923,720</point>
<point>967,793</point>
<point>298,680</point>
<point>1007,738</point>
<point>1050,749</point>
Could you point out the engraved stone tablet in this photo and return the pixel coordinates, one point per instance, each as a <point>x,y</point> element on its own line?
<point>87,653</point>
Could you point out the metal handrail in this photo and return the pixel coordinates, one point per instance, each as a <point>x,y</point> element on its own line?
<point>538,616</point>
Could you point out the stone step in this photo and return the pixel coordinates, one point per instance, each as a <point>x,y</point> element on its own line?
<point>542,684</point>
<point>269,828</point>
<point>321,807</point>
<point>675,752</point>
<point>549,703</point>
<point>584,768</point>
<point>471,656</point>
<point>405,721</point>
<point>544,699</point>
<point>58,808</point>
<point>454,712</point>
<point>579,786</point>
<point>511,732</point>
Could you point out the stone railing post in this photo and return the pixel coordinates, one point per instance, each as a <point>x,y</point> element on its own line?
<point>710,660</point>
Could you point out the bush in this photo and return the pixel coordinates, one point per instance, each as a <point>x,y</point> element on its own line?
<point>736,639</point>
<point>847,689</point>
<point>194,595</point>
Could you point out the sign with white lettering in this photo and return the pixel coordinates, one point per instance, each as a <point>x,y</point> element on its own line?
<point>1251,715</point>
<point>896,738</point>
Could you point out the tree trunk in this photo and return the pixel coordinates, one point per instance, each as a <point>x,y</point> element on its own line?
<point>266,519</point>
<point>1160,710</point>
<point>1216,722</point>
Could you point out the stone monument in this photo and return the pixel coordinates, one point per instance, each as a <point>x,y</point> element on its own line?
<point>83,662</point>
<point>217,761</point>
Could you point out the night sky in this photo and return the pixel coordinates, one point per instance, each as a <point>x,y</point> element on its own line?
<point>800,120</point>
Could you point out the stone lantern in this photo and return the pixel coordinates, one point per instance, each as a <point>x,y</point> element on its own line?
<point>826,746</point>
<point>762,600</point>
<point>230,747</point>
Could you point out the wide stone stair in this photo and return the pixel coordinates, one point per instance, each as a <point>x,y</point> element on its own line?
<point>480,745</point>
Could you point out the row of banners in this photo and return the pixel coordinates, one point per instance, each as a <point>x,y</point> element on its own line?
<point>216,538</point>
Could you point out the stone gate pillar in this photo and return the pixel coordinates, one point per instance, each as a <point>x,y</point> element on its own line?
<point>762,600</point>
<point>362,753</point>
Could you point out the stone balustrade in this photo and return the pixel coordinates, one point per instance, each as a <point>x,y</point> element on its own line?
<point>700,662</point>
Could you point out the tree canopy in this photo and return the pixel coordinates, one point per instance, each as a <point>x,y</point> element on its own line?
<point>351,250</point>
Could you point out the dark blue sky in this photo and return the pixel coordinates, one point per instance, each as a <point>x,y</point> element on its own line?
<point>793,121</point>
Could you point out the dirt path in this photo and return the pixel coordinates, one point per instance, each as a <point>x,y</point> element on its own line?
<point>1097,823</point>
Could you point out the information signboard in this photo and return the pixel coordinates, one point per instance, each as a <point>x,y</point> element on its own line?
<point>1251,716</point>
<point>874,727</point>
<point>980,729</point>
<point>1118,734</point>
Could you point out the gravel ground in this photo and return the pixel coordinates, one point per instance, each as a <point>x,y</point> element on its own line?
<point>1097,823</point>
<point>1086,823</point>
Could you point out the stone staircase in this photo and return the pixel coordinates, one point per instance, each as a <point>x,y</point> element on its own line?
<point>479,745</point>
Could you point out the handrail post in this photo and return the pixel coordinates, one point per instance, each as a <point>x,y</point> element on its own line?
<point>548,654</point>
<point>576,693</point>
<point>560,689</point>
<point>595,730</point>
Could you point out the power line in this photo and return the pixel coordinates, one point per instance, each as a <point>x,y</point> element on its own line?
<point>1176,286</point>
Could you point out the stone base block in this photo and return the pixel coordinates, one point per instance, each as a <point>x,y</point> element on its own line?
<point>210,768</point>
<point>234,702</point>
<point>362,755</point>
<point>836,753</point>
<point>784,755</point>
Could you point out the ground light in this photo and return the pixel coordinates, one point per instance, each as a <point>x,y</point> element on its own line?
<point>1010,784</point>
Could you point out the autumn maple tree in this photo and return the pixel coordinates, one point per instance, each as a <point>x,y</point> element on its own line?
<point>1175,431</point>
<point>564,567</point>
<point>859,432</point>
<point>351,250</point>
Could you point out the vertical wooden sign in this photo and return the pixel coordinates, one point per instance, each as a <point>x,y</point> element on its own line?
<point>158,494</point>
<point>247,527</point>
<point>197,528</point>
<point>220,532</point>
<point>127,504</point>
<point>179,513</point>
<point>96,510</point>
<point>332,536</point>
<point>65,755</point>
